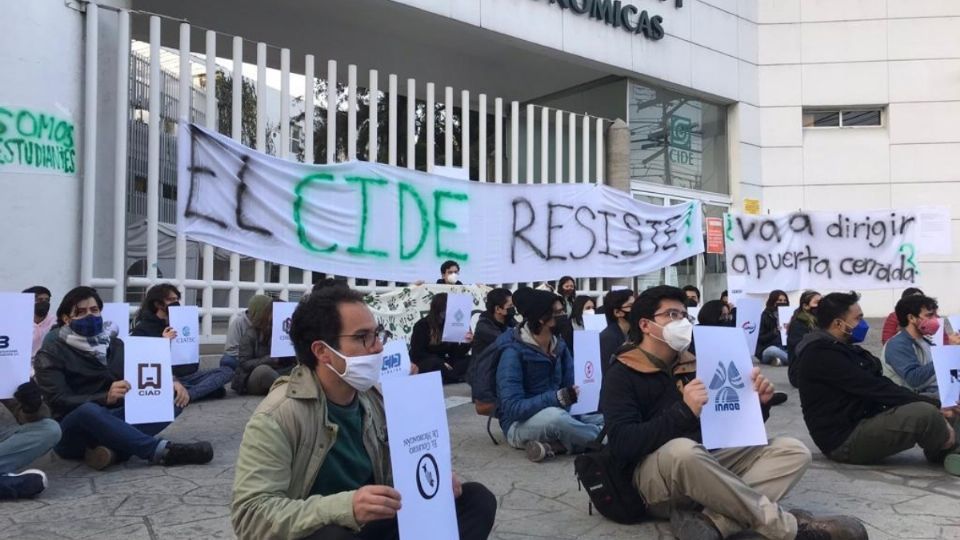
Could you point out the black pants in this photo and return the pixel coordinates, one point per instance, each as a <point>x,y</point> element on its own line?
<point>476,510</point>
<point>449,376</point>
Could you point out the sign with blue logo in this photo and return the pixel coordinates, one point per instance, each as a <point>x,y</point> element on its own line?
<point>396,359</point>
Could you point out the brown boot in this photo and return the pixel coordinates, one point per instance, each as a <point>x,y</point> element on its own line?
<point>828,527</point>
<point>99,457</point>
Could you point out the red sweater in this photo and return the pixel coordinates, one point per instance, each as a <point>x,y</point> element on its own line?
<point>891,326</point>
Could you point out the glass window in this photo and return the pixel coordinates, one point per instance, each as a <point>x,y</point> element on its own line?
<point>821,119</point>
<point>677,140</point>
<point>836,118</point>
<point>861,118</point>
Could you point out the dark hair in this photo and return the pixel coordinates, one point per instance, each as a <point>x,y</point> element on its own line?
<point>561,281</point>
<point>155,297</point>
<point>74,297</point>
<point>614,300</point>
<point>805,299</point>
<point>724,293</point>
<point>690,288</point>
<point>834,306</point>
<point>911,291</point>
<point>912,305</point>
<point>711,312</point>
<point>438,311</point>
<point>647,305</point>
<point>774,296</point>
<point>576,314</point>
<point>329,282</point>
<point>38,289</point>
<point>536,325</point>
<point>317,318</point>
<point>497,298</point>
<point>448,264</point>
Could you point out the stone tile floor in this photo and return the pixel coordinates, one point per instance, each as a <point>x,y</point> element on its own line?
<point>905,498</point>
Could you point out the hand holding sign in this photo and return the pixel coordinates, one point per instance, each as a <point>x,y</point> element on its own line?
<point>185,347</point>
<point>16,339</point>
<point>587,375</point>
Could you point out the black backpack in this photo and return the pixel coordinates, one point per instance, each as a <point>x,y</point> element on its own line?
<point>482,372</point>
<point>608,484</point>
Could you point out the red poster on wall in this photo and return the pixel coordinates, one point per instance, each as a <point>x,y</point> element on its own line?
<point>714,235</point>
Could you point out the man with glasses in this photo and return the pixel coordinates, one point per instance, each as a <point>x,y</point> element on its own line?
<point>535,383</point>
<point>652,411</point>
<point>616,307</point>
<point>314,461</point>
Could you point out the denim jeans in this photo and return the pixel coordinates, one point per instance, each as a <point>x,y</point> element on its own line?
<point>772,353</point>
<point>91,425</point>
<point>201,384</point>
<point>554,424</point>
<point>20,446</point>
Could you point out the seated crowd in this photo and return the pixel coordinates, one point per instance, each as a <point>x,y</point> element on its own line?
<point>314,460</point>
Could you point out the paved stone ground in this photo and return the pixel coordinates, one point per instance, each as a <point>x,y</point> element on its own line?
<point>904,499</point>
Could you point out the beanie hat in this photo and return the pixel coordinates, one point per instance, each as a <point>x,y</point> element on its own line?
<point>535,304</point>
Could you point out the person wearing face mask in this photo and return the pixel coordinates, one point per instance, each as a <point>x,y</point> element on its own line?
<point>80,375</point>
<point>654,436</point>
<point>248,341</point>
<point>534,382</point>
<point>497,319</point>
<point>693,296</point>
<point>854,413</point>
<point>804,320</point>
<point>314,461</point>
<point>449,273</point>
<point>907,358</point>
<point>567,290</point>
<point>43,320</point>
<point>770,350</point>
<point>891,325</point>
<point>582,305</point>
<point>153,320</point>
<point>429,352</point>
<point>616,308</point>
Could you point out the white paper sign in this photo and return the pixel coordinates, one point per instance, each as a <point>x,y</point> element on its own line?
<point>784,313</point>
<point>146,367</point>
<point>954,323</point>
<point>732,415</point>
<point>695,313</point>
<point>457,321</point>
<point>938,337</point>
<point>280,344</point>
<point>420,456</point>
<point>597,321</point>
<point>735,288</point>
<point>119,314</point>
<point>396,359</point>
<point>16,341</point>
<point>936,231</point>
<point>749,312</point>
<point>586,371</point>
<point>185,348</point>
<point>946,365</point>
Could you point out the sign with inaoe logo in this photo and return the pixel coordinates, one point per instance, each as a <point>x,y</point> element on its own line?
<point>16,341</point>
<point>146,367</point>
<point>280,343</point>
<point>185,348</point>
<point>732,415</point>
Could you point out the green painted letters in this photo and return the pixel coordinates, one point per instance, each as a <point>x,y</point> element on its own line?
<point>298,218</point>
<point>405,188</point>
<point>360,248</point>
<point>440,223</point>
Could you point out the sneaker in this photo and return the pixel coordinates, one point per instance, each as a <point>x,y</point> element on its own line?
<point>951,464</point>
<point>689,525</point>
<point>99,458</point>
<point>24,485</point>
<point>828,527</point>
<point>187,454</point>
<point>779,398</point>
<point>538,451</point>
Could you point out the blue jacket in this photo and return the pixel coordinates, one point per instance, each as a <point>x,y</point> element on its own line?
<point>528,379</point>
<point>909,362</point>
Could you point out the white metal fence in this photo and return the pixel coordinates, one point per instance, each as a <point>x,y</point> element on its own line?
<point>517,143</point>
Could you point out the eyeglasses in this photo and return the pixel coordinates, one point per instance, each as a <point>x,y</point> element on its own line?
<point>559,312</point>
<point>675,315</point>
<point>369,339</point>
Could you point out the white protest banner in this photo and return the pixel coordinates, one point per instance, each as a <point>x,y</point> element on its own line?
<point>586,371</point>
<point>936,231</point>
<point>117,313</point>
<point>695,313</point>
<point>420,456</point>
<point>749,311</point>
<point>396,359</point>
<point>456,322</point>
<point>16,341</point>
<point>280,344</point>
<point>732,415</point>
<point>185,348</point>
<point>823,250</point>
<point>380,222</point>
<point>398,310</point>
<point>784,314</point>
<point>946,365</point>
<point>596,321</point>
<point>146,367</point>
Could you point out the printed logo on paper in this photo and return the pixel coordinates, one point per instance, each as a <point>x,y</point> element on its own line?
<point>458,316</point>
<point>588,372</point>
<point>391,362</point>
<point>428,476</point>
<point>749,327</point>
<point>4,342</point>
<point>286,325</point>
<point>149,382</point>
<point>186,332</point>
<point>728,381</point>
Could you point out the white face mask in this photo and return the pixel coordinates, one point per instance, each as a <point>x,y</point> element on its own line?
<point>588,312</point>
<point>361,372</point>
<point>678,334</point>
<point>453,278</point>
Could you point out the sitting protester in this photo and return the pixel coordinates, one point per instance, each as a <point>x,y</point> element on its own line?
<point>616,308</point>
<point>32,436</point>
<point>314,461</point>
<point>535,384</point>
<point>854,413</point>
<point>497,319</point>
<point>693,296</point>
<point>907,358</point>
<point>891,325</point>
<point>804,321</point>
<point>715,313</point>
<point>80,373</point>
<point>249,334</point>
<point>652,415</point>
<point>770,349</point>
<point>567,291</point>
<point>428,350</point>
<point>43,320</point>
<point>153,320</point>
<point>582,305</point>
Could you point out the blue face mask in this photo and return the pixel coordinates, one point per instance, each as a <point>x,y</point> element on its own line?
<point>89,326</point>
<point>859,332</point>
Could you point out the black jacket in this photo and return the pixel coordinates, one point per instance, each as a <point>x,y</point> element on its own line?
<point>769,331</point>
<point>149,325</point>
<point>487,331</point>
<point>799,328</point>
<point>431,357</point>
<point>611,338</point>
<point>69,378</point>
<point>840,385</point>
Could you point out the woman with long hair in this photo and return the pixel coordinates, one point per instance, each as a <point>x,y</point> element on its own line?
<point>803,321</point>
<point>429,352</point>
<point>567,289</point>
<point>770,349</point>
<point>581,305</point>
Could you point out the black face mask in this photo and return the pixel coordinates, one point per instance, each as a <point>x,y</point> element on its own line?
<point>41,309</point>
<point>511,313</point>
<point>175,304</point>
<point>691,302</point>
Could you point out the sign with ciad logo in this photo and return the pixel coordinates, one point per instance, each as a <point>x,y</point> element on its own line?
<point>185,348</point>
<point>588,376</point>
<point>147,368</point>
<point>16,341</point>
<point>280,343</point>
<point>732,415</point>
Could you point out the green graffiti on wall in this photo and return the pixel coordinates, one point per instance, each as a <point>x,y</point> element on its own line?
<point>35,139</point>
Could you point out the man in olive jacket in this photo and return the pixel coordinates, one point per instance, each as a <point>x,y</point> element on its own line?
<point>314,461</point>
